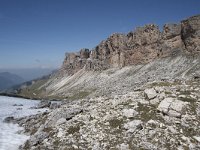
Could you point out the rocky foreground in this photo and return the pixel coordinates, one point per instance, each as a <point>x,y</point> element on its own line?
<point>159,115</point>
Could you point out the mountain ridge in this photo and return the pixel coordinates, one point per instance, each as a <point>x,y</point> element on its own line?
<point>126,61</point>
<point>140,46</point>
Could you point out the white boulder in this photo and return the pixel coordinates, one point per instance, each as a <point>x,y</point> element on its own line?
<point>150,93</point>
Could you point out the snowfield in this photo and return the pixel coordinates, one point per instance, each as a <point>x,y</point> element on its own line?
<point>16,107</point>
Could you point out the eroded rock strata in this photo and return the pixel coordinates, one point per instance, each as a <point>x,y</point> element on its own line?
<point>140,46</point>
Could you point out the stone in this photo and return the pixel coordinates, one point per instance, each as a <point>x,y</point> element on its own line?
<point>43,104</point>
<point>165,104</point>
<point>66,113</point>
<point>161,96</point>
<point>197,138</point>
<point>60,133</point>
<point>54,105</point>
<point>9,119</point>
<point>61,121</point>
<point>18,105</point>
<point>152,122</point>
<point>181,96</point>
<point>154,101</point>
<point>133,126</point>
<point>129,113</point>
<point>172,129</point>
<point>172,107</point>
<point>124,146</point>
<point>178,106</point>
<point>150,93</point>
<point>38,138</point>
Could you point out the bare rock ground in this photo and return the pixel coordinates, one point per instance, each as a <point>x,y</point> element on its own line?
<point>127,121</point>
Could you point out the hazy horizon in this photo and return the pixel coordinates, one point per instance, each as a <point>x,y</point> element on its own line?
<point>29,73</point>
<point>37,34</point>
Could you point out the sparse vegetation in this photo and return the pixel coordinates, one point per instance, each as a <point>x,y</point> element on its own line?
<point>163,84</point>
<point>80,94</point>
<point>73,129</point>
<point>115,122</point>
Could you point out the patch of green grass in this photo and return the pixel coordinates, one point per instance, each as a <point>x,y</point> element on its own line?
<point>185,92</point>
<point>73,129</point>
<point>187,99</point>
<point>56,143</point>
<point>161,84</point>
<point>189,131</point>
<point>168,92</point>
<point>38,84</point>
<point>114,123</point>
<point>79,95</point>
<point>27,146</point>
<point>147,112</point>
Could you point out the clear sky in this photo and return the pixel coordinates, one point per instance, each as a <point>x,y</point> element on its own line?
<point>37,33</point>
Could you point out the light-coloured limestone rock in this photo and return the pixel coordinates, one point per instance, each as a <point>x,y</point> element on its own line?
<point>197,138</point>
<point>124,146</point>
<point>133,126</point>
<point>150,93</point>
<point>154,101</point>
<point>61,121</point>
<point>165,104</point>
<point>129,113</point>
<point>172,107</point>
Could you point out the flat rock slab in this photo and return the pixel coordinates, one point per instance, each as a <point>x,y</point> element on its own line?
<point>129,113</point>
<point>133,126</point>
<point>172,107</point>
<point>150,93</point>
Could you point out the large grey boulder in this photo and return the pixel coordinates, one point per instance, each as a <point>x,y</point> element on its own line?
<point>172,107</point>
<point>43,104</point>
<point>64,113</point>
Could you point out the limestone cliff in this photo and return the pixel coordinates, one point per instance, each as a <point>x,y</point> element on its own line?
<point>140,46</point>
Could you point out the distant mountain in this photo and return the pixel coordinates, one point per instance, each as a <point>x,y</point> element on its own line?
<point>8,80</point>
<point>29,73</point>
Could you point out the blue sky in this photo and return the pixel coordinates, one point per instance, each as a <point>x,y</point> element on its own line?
<point>37,33</point>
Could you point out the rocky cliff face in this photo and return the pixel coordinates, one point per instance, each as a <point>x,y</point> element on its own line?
<point>141,46</point>
<point>190,34</point>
